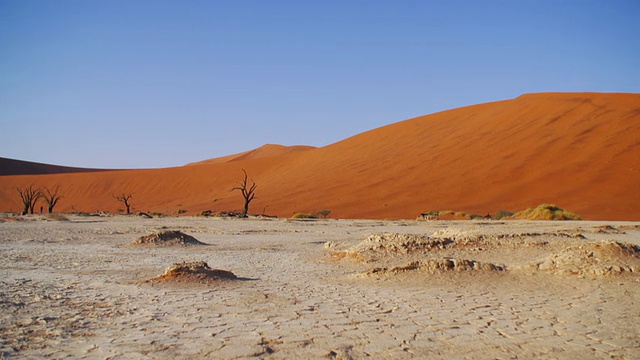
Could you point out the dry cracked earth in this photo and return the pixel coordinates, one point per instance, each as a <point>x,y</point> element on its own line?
<point>334,289</point>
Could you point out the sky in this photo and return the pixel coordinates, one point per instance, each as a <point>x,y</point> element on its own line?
<point>153,83</point>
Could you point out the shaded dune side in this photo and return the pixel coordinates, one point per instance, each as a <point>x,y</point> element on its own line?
<point>20,167</point>
<point>577,150</point>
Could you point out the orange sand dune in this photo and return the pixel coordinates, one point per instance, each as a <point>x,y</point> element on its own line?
<point>264,151</point>
<point>580,151</point>
<point>20,167</point>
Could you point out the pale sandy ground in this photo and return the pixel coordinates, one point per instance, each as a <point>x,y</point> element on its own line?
<point>71,289</point>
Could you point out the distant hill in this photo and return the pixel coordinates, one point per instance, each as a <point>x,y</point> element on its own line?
<point>19,167</point>
<point>579,151</point>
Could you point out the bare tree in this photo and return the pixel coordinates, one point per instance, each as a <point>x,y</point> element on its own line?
<point>51,197</point>
<point>248,192</point>
<point>125,198</point>
<point>29,197</point>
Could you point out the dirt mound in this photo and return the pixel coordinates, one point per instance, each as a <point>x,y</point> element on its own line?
<point>378,246</point>
<point>595,258</point>
<point>447,250</point>
<point>195,271</point>
<point>166,238</point>
<point>608,229</point>
<point>437,265</point>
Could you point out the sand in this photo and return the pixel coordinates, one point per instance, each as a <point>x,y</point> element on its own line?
<point>75,289</point>
<point>576,150</point>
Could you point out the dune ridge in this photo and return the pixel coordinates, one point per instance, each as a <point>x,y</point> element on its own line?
<point>21,167</point>
<point>576,150</point>
<point>267,150</point>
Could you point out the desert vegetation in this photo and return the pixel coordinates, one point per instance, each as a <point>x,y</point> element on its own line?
<point>125,198</point>
<point>51,197</point>
<point>545,212</point>
<point>301,215</point>
<point>248,192</point>
<point>320,214</point>
<point>29,197</point>
<point>541,212</point>
<point>501,214</point>
<point>323,213</point>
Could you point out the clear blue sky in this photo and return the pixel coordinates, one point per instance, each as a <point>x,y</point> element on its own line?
<point>132,84</point>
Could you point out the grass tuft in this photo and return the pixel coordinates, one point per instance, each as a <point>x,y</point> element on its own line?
<point>303,216</point>
<point>546,212</point>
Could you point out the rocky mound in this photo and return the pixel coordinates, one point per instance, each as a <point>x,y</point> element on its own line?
<point>437,265</point>
<point>595,258</point>
<point>379,246</point>
<point>195,271</point>
<point>166,238</point>
<point>447,250</point>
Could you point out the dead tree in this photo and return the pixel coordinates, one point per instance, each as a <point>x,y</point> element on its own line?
<point>125,198</point>
<point>29,197</point>
<point>51,197</point>
<point>248,192</point>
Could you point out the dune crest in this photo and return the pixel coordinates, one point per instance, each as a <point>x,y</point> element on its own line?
<point>267,150</point>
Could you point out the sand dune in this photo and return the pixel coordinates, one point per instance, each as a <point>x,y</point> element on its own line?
<point>19,167</point>
<point>577,150</point>
<point>267,150</point>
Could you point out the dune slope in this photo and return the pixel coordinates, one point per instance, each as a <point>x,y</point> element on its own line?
<point>267,150</point>
<point>20,167</point>
<point>577,150</point>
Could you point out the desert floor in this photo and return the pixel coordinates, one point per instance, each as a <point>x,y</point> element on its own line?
<point>321,289</point>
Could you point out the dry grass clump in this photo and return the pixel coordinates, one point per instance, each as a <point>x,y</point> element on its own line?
<point>448,215</point>
<point>501,214</point>
<point>166,238</point>
<point>196,271</point>
<point>56,217</point>
<point>545,212</point>
<point>437,265</point>
<point>304,216</point>
<point>9,217</point>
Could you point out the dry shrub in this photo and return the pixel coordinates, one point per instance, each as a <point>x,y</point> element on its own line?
<point>546,212</point>
<point>303,216</point>
<point>501,214</point>
<point>56,217</point>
